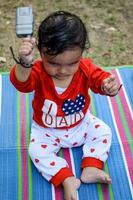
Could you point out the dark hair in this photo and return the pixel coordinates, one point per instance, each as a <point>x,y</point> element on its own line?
<point>60,31</point>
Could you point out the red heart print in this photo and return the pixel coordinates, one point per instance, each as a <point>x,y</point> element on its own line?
<point>75,143</point>
<point>47,135</point>
<point>94,138</point>
<point>85,135</point>
<point>33,140</point>
<point>43,146</point>
<point>66,136</point>
<point>55,144</point>
<point>97,125</point>
<point>36,160</point>
<point>105,141</point>
<point>52,163</point>
<point>92,150</point>
<point>57,140</point>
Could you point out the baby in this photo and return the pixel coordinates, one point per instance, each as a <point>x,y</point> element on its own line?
<point>61,116</point>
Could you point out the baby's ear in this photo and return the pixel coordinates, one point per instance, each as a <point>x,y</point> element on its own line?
<point>42,50</point>
<point>41,53</point>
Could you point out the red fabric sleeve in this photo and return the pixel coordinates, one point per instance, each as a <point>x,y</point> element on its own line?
<point>96,80</point>
<point>27,86</point>
<point>61,176</point>
<point>95,75</point>
<point>92,162</point>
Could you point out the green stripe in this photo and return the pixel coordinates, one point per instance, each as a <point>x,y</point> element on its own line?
<point>99,190</point>
<point>19,149</point>
<point>93,108</point>
<point>27,144</point>
<point>60,153</point>
<point>109,186</point>
<point>118,67</point>
<point>4,73</point>
<point>124,122</point>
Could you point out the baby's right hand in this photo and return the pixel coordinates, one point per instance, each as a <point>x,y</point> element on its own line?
<point>27,50</point>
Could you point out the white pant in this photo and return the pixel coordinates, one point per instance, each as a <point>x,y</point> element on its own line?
<point>92,133</point>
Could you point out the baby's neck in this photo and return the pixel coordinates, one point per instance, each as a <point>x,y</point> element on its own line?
<point>62,83</point>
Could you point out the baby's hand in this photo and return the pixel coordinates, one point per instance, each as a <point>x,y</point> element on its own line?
<point>110,86</point>
<point>27,50</point>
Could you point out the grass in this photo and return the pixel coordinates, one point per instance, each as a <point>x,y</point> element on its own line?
<point>110,20</point>
<point>109,26</point>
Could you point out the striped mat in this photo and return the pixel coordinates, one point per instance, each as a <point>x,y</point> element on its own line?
<point>19,179</point>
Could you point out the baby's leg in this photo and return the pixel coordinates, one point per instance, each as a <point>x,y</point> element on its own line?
<point>52,167</point>
<point>43,152</point>
<point>95,152</point>
<point>71,185</point>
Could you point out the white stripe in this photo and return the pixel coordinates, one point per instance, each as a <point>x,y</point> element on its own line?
<point>73,166</point>
<point>121,146</point>
<point>0,94</point>
<point>124,91</point>
<point>53,192</point>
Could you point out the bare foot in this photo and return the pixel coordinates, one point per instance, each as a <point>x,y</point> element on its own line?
<point>94,175</point>
<point>71,185</point>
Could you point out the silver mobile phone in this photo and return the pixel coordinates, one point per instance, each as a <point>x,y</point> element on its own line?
<point>24,21</point>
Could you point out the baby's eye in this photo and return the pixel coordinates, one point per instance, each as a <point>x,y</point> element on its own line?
<point>54,64</point>
<point>72,64</point>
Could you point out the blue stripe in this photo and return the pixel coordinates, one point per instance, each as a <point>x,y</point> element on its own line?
<point>8,174</point>
<point>127,78</point>
<point>8,117</point>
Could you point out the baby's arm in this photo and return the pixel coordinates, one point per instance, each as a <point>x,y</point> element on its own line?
<point>26,54</point>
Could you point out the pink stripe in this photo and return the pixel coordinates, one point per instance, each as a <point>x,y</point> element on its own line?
<point>23,148</point>
<point>121,131</point>
<point>67,157</point>
<point>58,191</point>
<point>125,106</point>
<point>105,190</point>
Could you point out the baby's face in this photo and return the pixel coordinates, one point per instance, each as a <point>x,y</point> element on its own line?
<point>63,65</point>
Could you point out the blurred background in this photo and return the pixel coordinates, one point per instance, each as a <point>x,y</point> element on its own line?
<point>109,24</point>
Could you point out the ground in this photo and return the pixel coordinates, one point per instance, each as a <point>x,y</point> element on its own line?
<point>109,22</point>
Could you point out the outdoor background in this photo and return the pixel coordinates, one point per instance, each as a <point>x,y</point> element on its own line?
<point>109,23</point>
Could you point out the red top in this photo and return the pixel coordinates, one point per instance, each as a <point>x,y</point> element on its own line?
<point>65,110</point>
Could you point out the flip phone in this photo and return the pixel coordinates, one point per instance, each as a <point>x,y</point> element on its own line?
<point>24,22</point>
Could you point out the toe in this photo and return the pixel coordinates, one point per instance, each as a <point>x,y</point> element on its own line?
<point>108,180</point>
<point>77,183</point>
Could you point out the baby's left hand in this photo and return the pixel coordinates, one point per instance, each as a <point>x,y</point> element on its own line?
<point>110,86</point>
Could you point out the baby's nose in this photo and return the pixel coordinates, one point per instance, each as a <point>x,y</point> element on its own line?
<point>63,69</point>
